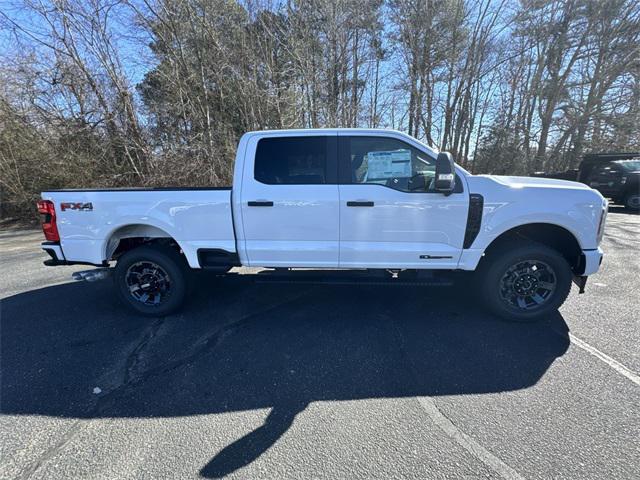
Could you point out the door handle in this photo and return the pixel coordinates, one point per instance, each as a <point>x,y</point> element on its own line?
<point>260,203</point>
<point>360,204</point>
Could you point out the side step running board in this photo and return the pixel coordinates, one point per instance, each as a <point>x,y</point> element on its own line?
<point>328,279</point>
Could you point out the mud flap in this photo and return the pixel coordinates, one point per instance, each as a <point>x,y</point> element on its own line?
<point>580,281</point>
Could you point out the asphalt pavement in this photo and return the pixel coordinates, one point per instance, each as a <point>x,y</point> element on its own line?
<point>276,381</point>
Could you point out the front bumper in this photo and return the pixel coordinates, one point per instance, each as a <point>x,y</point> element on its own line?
<point>591,260</point>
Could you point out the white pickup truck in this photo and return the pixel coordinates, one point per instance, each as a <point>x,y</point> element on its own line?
<point>334,199</point>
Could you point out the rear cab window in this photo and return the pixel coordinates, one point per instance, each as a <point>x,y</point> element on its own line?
<point>304,160</point>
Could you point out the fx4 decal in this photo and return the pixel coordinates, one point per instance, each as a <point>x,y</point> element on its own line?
<point>76,206</point>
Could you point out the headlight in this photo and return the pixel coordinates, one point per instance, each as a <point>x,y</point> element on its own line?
<point>623,180</point>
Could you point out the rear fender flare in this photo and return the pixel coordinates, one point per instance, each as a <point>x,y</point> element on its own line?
<point>133,230</point>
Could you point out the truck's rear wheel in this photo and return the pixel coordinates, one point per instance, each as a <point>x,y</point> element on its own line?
<point>524,282</point>
<point>152,280</point>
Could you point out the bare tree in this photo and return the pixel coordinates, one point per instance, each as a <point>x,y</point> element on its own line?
<point>507,87</point>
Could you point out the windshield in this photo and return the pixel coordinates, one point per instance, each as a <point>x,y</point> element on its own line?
<point>630,165</point>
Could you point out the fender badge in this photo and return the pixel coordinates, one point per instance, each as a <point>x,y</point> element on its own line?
<point>76,206</point>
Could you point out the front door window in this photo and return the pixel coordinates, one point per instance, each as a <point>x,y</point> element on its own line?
<point>388,162</point>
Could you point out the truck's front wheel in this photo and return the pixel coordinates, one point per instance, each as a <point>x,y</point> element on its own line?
<point>152,280</point>
<point>524,281</point>
<point>632,201</point>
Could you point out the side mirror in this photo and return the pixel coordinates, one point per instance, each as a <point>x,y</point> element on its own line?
<point>445,180</point>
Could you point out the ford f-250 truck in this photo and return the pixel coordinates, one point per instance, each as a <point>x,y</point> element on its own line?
<point>334,199</point>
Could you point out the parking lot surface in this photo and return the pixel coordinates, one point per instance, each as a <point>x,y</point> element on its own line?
<point>270,381</point>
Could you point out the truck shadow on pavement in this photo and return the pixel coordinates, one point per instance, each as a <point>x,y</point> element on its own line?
<point>242,346</point>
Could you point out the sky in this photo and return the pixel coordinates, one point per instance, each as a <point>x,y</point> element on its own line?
<point>130,40</point>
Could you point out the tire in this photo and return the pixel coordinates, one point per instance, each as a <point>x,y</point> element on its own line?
<point>523,281</point>
<point>632,201</point>
<point>151,280</point>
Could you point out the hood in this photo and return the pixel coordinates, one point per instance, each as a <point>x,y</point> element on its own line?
<point>536,182</point>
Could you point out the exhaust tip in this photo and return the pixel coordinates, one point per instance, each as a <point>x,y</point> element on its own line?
<point>92,275</point>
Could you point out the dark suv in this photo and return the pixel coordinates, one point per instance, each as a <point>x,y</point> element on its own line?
<point>615,178</point>
<point>614,175</point>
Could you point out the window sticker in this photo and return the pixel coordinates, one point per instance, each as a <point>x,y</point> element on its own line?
<point>391,164</point>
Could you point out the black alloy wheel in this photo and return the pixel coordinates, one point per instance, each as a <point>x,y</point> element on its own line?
<point>148,283</point>
<point>528,284</point>
<point>152,279</point>
<point>523,281</point>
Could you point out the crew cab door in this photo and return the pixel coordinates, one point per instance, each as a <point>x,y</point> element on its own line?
<point>385,222</point>
<point>289,201</point>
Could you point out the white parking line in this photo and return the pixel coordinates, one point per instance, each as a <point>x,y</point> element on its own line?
<point>466,442</point>
<point>484,455</point>
<point>617,366</point>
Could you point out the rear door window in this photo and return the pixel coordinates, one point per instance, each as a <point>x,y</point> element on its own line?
<point>291,161</point>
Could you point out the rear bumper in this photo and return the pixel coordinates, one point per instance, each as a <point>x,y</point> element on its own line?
<point>57,257</point>
<point>55,252</point>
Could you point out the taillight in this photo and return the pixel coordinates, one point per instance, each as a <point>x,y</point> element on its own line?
<point>49,227</point>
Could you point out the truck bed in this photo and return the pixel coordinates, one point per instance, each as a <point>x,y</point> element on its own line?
<point>92,222</point>
<point>137,189</point>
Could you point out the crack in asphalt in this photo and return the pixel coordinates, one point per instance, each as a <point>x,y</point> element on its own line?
<point>134,358</point>
<point>130,377</point>
<point>204,346</point>
<point>52,451</point>
<point>131,363</point>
